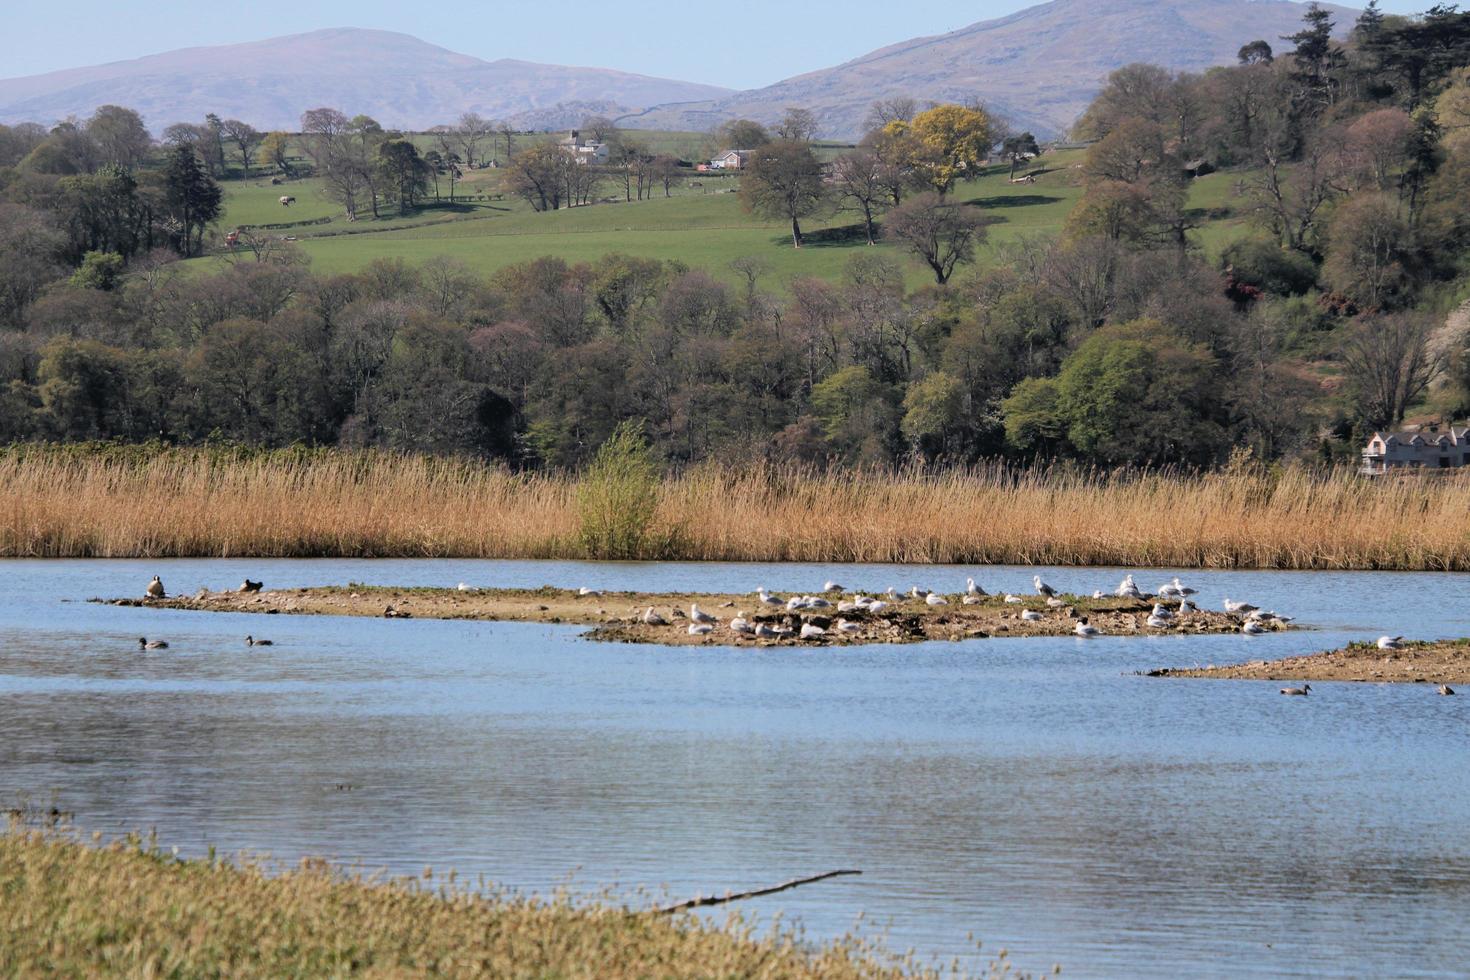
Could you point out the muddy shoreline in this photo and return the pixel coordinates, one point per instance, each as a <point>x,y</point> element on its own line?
<point>1444,662</point>
<point>618,616</point>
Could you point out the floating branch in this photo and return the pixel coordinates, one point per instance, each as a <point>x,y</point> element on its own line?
<point>695,903</point>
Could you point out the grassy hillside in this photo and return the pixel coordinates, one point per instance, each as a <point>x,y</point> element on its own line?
<point>703,224</point>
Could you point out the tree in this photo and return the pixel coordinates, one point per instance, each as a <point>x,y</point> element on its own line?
<point>942,234</point>
<point>665,171</point>
<point>404,172</point>
<point>884,111</point>
<point>274,147</point>
<point>797,125</point>
<point>471,130</point>
<point>1390,364</point>
<point>1018,149</point>
<point>1316,60</point>
<point>601,128</point>
<point>955,141</point>
<point>784,181</point>
<point>1377,146</point>
<point>537,174</point>
<point>860,179</point>
<point>120,136</point>
<point>245,137</point>
<point>741,134</point>
<point>1367,252</point>
<point>1256,53</point>
<point>192,198</point>
<point>932,412</point>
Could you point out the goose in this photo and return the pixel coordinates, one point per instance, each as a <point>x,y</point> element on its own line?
<point>1032,616</point>
<point>832,586</point>
<point>848,626</point>
<point>700,629</point>
<point>811,632</point>
<point>145,644</point>
<point>766,632</point>
<point>1446,690</point>
<point>654,619</point>
<point>1013,599</point>
<point>1252,628</point>
<point>1239,607</point>
<point>1042,588</point>
<point>251,641</point>
<point>699,615</point>
<point>155,588</point>
<point>935,599</point>
<point>972,589</point>
<point>1083,628</point>
<point>1389,642</point>
<point>249,586</point>
<point>1297,692</point>
<point>1159,622</point>
<point>769,599</point>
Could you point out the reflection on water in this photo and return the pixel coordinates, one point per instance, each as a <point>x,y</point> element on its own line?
<point>1034,792</point>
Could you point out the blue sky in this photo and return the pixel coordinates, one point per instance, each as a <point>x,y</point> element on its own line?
<point>744,44</point>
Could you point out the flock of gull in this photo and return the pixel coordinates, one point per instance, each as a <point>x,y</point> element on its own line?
<point>1254,620</point>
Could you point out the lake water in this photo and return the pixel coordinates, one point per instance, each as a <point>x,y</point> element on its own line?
<point>1036,793</point>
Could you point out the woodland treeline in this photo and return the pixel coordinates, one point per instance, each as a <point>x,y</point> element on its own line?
<point>1117,342</point>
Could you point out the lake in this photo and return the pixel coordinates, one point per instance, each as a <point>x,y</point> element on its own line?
<point>1036,793</point>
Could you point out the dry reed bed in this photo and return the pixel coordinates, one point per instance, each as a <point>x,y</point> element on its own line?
<point>130,909</point>
<point>188,504</point>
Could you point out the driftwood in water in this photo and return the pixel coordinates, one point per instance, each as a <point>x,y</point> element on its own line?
<point>695,903</point>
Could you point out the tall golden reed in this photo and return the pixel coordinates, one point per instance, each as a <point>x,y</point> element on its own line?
<point>183,503</point>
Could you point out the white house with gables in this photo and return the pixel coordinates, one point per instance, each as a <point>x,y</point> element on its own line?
<point>584,150</point>
<point>1431,447</point>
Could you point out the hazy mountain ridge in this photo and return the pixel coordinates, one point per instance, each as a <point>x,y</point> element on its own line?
<point>1039,67</point>
<point>398,79</point>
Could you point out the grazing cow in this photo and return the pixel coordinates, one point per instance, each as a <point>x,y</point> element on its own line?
<point>287,200</point>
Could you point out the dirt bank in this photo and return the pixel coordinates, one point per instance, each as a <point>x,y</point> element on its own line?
<point>617,616</point>
<point>1446,662</point>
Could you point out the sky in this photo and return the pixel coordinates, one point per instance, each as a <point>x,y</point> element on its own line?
<point>747,44</point>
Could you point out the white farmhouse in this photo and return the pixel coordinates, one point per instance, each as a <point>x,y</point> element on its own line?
<point>1429,448</point>
<point>584,150</point>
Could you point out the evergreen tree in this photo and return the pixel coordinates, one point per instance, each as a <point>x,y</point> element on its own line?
<point>192,198</point>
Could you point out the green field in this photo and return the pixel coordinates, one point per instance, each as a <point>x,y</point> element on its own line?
<point>703,225</point>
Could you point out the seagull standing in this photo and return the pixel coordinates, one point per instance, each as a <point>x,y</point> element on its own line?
<point>769,599</point>
<point>1042,588</point>
<point>974,590</point>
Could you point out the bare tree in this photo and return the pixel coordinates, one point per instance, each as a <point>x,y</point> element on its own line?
<point>784,181</point>
<point>1390,364</point>
<point>942,234</point>
<point>472,130</point>
<point>899,108</point>
<point>860,178</point>
<point>665,171</point>
<point>798,125</point>
<point>245,137</point>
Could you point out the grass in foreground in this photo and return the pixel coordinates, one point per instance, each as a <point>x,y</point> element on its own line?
<point>80,503</point>
<point>129,909</point>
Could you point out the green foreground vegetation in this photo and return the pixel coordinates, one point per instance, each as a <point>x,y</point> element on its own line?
<point>132,909</point>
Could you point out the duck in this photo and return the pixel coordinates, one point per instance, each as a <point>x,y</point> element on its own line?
<point>1446,690</point>
<point>249,586</point>
<point>146,644</point>
<point>768,599</point>
<point>810,631</point>
<point>1042,588</point>
<point>1032,616</point>
<point>654,619</point>
<point>700,629</point>
<point>251,641</point>
<point>1389,642</point>
<point>974,590</point>
<point>935,599</point>
<point>699,615</point>
<point>1085,629</point>
<point>848,626</point>
<point>155,588</point>
<point>1252,628</point>
<point>1239,607</point>
<point>1297,692</point>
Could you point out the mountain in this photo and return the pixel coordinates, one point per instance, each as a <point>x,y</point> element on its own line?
<point>395,78</point>
<point>1040,67</point>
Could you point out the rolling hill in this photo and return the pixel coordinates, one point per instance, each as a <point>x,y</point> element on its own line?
<point>399,80</point>
<point>1039,67</point>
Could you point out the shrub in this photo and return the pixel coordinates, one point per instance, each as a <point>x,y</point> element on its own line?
<point>618,496</point>
<point>1270,268</point>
